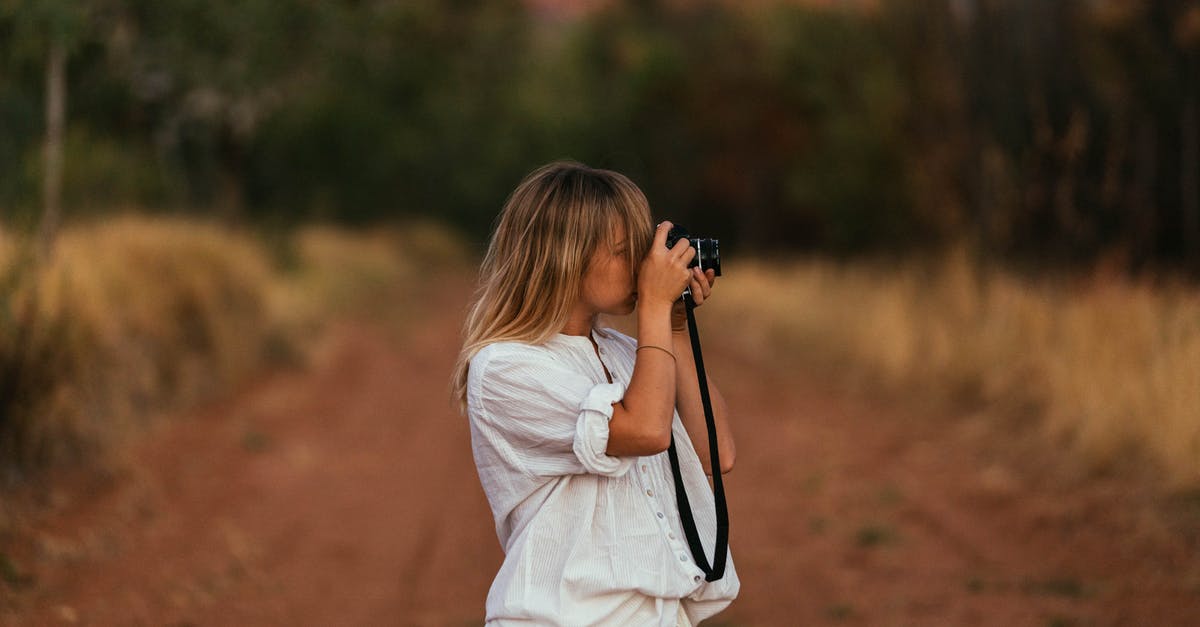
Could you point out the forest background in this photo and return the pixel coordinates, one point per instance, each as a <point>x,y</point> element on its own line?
<point>1039,132</point>
<point>998,200</point>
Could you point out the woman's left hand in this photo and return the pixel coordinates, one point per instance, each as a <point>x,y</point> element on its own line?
<point>701,285</point>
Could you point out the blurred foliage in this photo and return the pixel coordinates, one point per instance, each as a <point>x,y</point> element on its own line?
<point>1059,131</point>
<point>131,316</point>
<point>136,316</point>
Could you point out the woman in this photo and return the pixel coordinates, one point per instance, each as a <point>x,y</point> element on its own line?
<point>570,421</point>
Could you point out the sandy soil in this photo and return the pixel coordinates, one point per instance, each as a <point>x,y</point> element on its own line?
<point>344,494</point>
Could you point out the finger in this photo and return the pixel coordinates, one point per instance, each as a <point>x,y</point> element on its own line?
<point>685,255</point>
<point>682,243</point>
<point>660,234</point>
<point>704,280</point>
<point>698,294</point>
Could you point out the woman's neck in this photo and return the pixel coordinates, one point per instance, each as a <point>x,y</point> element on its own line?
<point>580,322</point>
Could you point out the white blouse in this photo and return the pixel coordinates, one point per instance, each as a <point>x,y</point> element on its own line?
<point>588,539</point>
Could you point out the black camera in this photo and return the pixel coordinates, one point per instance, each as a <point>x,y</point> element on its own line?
<point>708,250</point>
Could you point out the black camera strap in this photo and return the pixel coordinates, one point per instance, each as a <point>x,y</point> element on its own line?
<point>721,547</point>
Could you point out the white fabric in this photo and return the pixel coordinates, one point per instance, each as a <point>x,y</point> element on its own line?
<point>683,620</point>
<point>589,539</point>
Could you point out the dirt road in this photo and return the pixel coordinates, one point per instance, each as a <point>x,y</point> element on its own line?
<point>344,494</point>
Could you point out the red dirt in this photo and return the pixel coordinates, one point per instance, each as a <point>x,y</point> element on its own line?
<point>344,494</point>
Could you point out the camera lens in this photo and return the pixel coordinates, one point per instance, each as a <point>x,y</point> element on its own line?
<point>708,254</point>
<point>708,250</point>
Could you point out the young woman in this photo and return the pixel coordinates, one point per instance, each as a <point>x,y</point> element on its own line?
<point>570,421</point>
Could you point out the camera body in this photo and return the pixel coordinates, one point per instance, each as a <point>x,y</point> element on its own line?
<point>708,250</point>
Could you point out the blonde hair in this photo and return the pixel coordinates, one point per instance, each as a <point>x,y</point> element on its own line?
<point>532,275</point>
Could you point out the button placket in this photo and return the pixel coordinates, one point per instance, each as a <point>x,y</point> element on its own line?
<point>647,482</point>
<point>648,485</point>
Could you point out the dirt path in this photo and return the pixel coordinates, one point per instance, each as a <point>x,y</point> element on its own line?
<point>344,494</point>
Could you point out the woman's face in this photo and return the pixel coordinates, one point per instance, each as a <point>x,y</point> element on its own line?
<point>609,285</point>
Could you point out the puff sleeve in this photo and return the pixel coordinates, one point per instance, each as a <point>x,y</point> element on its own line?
<point>541,417</point>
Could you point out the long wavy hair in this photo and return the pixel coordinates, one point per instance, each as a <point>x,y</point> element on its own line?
<point>532,275</point>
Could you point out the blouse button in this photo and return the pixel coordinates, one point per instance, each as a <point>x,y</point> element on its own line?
<point>649,492</point>
<point>644,468</point>
<point>671,536</point>
<point>660,515</point>
<point>696,579</point>
<point>682,557</point>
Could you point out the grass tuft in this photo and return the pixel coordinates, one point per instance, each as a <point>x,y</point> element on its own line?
<point>137,315</point>
<point>839,612</point>
<point>1110,365</point>
<point>876,535</point>
<point>11,575</point>
<point>1068,587</point>
<point>128,317</point>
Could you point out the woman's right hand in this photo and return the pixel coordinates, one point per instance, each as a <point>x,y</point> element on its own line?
<point>664,274</point>
<point>641,421</point>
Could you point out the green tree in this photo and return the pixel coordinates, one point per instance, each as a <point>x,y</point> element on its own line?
<point>49,30</point>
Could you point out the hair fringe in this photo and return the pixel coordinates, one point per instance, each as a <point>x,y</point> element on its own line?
<point>532,273</point>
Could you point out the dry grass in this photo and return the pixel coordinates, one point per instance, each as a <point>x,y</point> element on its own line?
<point>1109,365</point>
<point>8,249</point>
<point>332,271</point>
<point>135,316</point>
<point>129,316</point>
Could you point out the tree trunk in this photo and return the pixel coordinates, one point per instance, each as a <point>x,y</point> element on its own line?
<point>56,100</point>
<point>1144,220</point>
<point>1189,185</point>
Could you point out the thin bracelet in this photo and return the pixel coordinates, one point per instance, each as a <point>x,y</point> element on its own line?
<point>659,348</point>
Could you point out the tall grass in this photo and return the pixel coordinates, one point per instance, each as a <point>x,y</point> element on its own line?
<point>1110,365</point>
<point>129,316</point>
<point>136,315</point>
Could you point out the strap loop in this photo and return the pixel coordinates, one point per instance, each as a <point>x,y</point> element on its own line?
<point>721,545</point>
